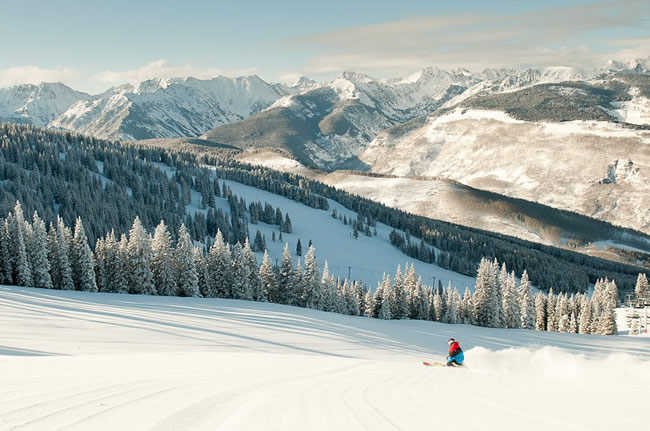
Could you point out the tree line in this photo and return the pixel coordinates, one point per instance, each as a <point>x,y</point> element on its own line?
<point>142,263</point>
<point>108,184</point>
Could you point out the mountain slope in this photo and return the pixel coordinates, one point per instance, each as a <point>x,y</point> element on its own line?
<point>328,126</point>
<point>195,363</point>
<point>168,108</point>
<point>37,104</point>
<point>599,169</point>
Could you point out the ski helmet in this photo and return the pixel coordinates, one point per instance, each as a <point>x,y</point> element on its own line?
<point>451,340</point>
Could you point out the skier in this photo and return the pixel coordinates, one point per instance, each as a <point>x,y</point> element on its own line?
<point>456,356</point>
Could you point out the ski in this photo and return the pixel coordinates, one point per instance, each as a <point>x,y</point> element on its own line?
<point>434,364</point>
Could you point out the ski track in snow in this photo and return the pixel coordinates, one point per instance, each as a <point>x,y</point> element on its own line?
<point>79,361</point>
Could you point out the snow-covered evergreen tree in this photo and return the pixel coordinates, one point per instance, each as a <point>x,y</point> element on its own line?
<point>162,261</point>
<point>39,254</point>
<point>329,289</point>
<point>552,318</point>
<point>82,259</point>
<point>219,267</point>
<point>6,276</point>
<point>607,320</point>
<point>296,295</point>
<point>573,324</point>
<point>255,286</point>
<point>240,274</point>
<point>121,274</point>
<point>15,227</point>
<point>399,308</point>
<point>313,292</point>
<point>386,288</point>
<point>586,317</point>
<point>511,305</point>
<point>200,263</point>
<point>526,302</point>
<point>467,309</point>
<point>431,304</point>
<point>140,276</point>
<point>540,312</point>
<point>63,256</point>
<point>437,304</point>
<point>502,282</point>
<point>451,313</point>
<point>563,313</point>
<point>268,278</point>
<point>368,299</point>
<point>286,278</point>
<point>187,279</point>
<point>642,290</point>
<point>486,304</point>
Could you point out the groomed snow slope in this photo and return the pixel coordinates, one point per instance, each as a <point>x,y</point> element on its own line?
<point>74,360</point>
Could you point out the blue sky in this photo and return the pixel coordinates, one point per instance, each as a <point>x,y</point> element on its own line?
<point>91,45</point>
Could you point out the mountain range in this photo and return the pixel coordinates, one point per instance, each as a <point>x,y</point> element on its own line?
<point>570,139</point>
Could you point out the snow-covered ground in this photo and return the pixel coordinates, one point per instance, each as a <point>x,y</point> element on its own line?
<point>75,360</point>
<point>364,258</point>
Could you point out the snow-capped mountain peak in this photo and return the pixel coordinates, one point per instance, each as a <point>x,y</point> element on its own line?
<point>37,104</point>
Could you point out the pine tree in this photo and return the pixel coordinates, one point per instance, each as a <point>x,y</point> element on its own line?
<point>140,276</point>
<point>298,248</point>
<point>6,276</point>
<point>501,295</point>
<point>511,303</point>
<point>431,304</point>
<point>378,298</point>
<point>586,316</point>
<point>286,278</point>
<point>39,254</point>
<point>352,306</point>
<point>607,320</point>
<point>486,305</point>
<point>399,308</point>
<point>384,311</point>
<point>240,274</point>
<point>82,258</point>
<point>219,267</point>
<point>162,258</point>
<point>468,308</point>
<point>526,303</point>
<point>255,286</point>
<point>552,319</point>
<point>564,318</point>
<point>297,294</point>
<point>120,276</point>
<point>369,310</point>
<point>201,270</point>
<point>63,256</point>
<point>329,289</point>
<point>268,278</point>
<point>451,312</point>
<point>642,290</point>
<point>437,304</point>
<point>313,292</point>
<point>15,226</point>
<point>540,312</point>
<point>187,279</point>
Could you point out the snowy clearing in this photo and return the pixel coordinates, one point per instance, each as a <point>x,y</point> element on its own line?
<point>77,360</point>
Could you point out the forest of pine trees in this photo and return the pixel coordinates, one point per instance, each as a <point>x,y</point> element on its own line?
<point>146,264</point>
<point>63,177</point>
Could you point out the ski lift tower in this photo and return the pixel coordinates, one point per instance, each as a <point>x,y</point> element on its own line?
<point>631,314</point>
<point>638,310</point>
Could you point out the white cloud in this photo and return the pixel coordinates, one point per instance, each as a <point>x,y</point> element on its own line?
<point>161,69</point>
<point>35,75</point>
<point>578,36</point>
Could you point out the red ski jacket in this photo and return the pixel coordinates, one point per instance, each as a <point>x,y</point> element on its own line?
<point>454,349</point>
